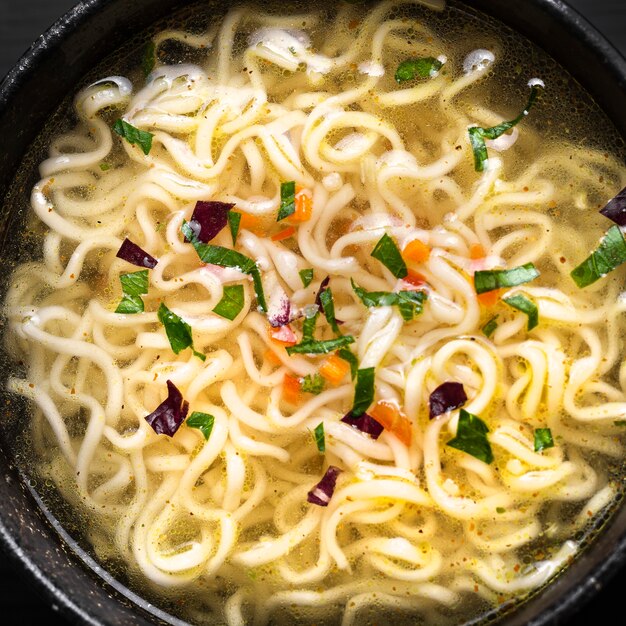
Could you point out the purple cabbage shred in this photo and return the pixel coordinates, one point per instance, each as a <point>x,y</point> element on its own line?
<point>615,208</point>
<point>132,253</point>
<point>323,491</point>
<point>170,414</point>
<point>365,423</point>
<point>209,217</point>
<point>446,397</point>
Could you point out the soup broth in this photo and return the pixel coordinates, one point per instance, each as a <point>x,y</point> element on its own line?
<point>308,336</point>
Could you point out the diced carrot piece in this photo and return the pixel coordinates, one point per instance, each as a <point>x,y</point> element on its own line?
<point>393,420</point>
<point>284,234</point>
<point>270,357</point>
<point>334,369</point>
<point>477,252</point>
<point>304,207</point>
<point>489,298</point>
<point>253,223</point>
<point>292,389</point>
<point>416,251</point>
<point>283,335</point>
<point>415,278</point>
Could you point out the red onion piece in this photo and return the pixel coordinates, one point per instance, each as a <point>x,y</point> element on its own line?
<point>615,208</point>
<point>170,414</point>
<point>278,304</point>
<point>365,423</point>
<point>132,253</point>
<point>446,397</point>
<point>209,217</point>
<point>323,491</point>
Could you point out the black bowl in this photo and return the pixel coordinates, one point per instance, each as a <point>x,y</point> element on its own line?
<point>34,541</point>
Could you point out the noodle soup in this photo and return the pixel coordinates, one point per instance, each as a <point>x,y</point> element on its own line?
<point>325,321</point>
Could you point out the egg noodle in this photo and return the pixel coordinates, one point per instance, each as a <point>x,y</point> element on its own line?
<point>410,528</point>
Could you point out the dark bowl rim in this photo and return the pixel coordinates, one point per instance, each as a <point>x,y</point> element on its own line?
<point>28,65</point>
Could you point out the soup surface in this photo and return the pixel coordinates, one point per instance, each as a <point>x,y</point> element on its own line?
<point>315,330</point>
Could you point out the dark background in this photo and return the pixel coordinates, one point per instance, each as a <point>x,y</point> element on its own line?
<point>21,21</point>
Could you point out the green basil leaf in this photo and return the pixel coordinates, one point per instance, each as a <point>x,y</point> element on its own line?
<point>231,303</point>
<point>388,254</point>
<point>135,283</point>
<point>410,303</point>
<point>320,347</point>
<point>348,356</point>
<point>308,326</point>
<point>488,280</point>
<point>130,305</point>
<point>363,391</point>
<point>306,276</point>
<point>320,439</point>
<point>234,220</point>
<point>606,257</point>
<point>177,330</point>
<point>313,384</point>
<point>490,326</point>
<point>417,68</point>
<point>479,147</point>
<point>471,437</point>
<point>374,298</point>
<point>523,304</point>
<point>224,257</point>
<point>287,200</point>
<point>202,421</point>
<point>328,306</point>
<point>148,60</point>
<point>133,135</point>
<point>543,439</point>
<point>477,135</point>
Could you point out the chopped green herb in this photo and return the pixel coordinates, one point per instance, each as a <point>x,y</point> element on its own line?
<point>231,303</point>
<point>287,200</point>
<point>320,347</point>
<point>130,304</point>
<point>177,330</point>
<point>410,303</point>
<point>320,439</point>
<point>224,257</point>
<point>490,326</point>
<point>348,356</point>
<point>523,304</point>
<point>134,285</point>
<point>308,326</point>
<point>488,280</point>
<point>133,135</point>
<point>543,439</point>
<point>105,166</point>
<point>619,422</point>
<point>417,68</point>
<point>363,391</point>
<point>234,220</point>
<point>500,509</point>
<point>306,276</point>
<point>202,421</point>
<point>606,257</point>
<point>148,60</point>
<point>388,254</point>
<point>313,384</point>
<point>477,135</point>
<point>328,306</point>
<point>471,437</point>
